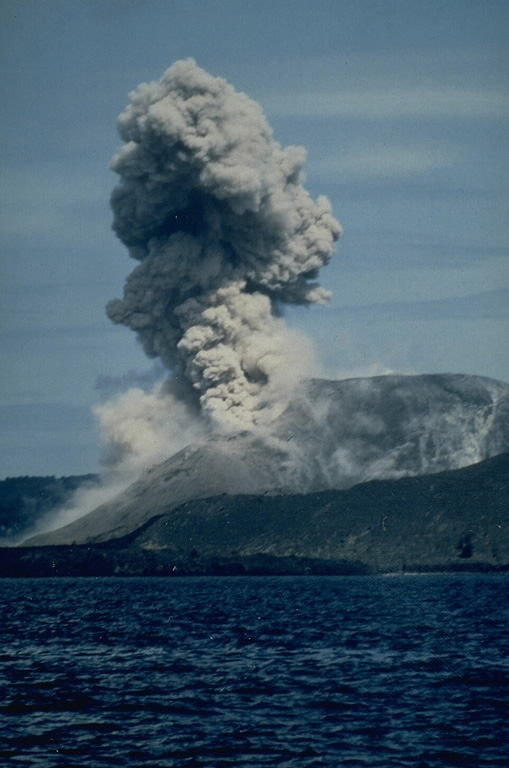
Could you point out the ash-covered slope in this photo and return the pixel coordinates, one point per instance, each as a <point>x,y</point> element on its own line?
<point>457,519</point>
<point>357,430</point>
<point>449,521</point>
<point>333,434</point>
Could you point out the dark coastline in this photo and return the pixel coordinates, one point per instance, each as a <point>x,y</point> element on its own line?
<point>104,561</point>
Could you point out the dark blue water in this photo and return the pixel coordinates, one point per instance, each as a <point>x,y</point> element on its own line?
<point>212,672</point>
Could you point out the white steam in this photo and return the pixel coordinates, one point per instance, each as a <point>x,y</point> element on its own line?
<point>140,428</point>
<point>137,429</point>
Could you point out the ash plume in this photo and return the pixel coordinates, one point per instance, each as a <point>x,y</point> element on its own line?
<point>225,234</point>
<point>215,212</point>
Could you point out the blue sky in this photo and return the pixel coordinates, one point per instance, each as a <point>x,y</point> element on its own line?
<point>403,107</point>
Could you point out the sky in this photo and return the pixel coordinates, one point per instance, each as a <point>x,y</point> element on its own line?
<point>403,108</point>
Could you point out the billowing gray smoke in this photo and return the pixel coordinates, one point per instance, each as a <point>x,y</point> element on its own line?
<point>225,233</point>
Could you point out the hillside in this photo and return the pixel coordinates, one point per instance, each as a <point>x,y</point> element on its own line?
<point>451,521</point>
<point>332,435</point>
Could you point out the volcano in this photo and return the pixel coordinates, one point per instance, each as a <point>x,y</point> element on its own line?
<point>331,435</point>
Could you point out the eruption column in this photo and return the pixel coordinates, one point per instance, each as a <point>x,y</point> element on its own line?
<point>214,210</point>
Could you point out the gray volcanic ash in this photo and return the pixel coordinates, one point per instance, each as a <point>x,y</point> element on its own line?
<point>214,210</point>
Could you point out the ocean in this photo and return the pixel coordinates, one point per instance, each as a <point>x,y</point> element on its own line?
<point>250,672</point>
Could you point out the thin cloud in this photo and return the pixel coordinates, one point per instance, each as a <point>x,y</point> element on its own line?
<point>384,162</point>
<point>141,379</point>
<point>488,305</point>
<point>43,202</point>
<point>392,104</point>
